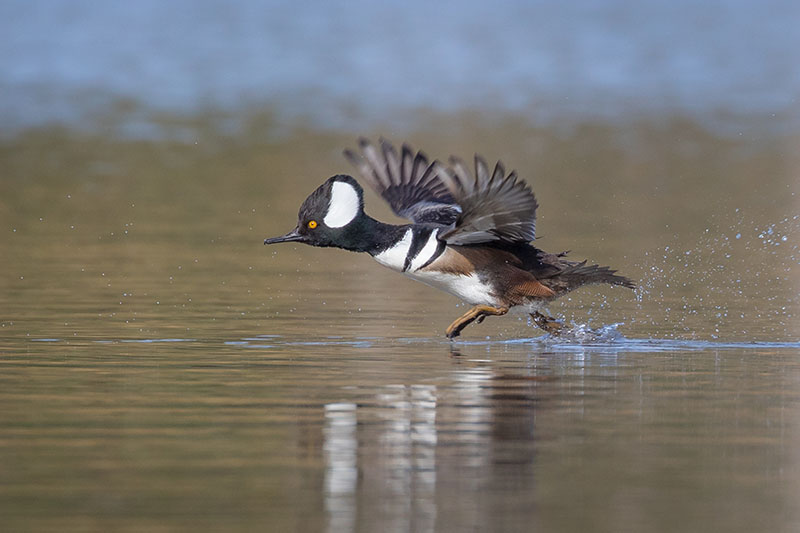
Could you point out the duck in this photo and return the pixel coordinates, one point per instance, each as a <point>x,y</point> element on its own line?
<point>471,232</point>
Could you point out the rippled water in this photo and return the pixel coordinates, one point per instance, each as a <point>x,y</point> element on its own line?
<point>396,434</point>
<point>161,369</point>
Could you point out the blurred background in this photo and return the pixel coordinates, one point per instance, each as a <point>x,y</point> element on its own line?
<point>161,369</point>
<point>349,65</point>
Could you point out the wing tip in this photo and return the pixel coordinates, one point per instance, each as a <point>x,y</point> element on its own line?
<point>351,156</point>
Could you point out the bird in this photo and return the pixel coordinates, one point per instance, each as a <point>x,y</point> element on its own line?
<point>471,233</point>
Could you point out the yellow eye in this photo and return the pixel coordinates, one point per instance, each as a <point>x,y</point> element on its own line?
<point>312,224</point>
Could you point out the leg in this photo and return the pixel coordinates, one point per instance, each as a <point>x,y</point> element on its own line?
<point>547,323</point>
<point>476,313</point>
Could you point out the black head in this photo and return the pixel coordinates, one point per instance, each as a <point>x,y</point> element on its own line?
<point>328,215</point>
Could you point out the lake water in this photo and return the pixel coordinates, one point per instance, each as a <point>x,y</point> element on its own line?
<point>162,369</point>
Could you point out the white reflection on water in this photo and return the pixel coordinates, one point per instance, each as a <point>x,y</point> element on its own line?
<point>397,466</point>
<point>385,453</point>
<point>341,472</point>
<point>340,447</point>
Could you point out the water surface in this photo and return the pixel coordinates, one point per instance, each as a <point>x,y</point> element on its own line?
<point>162,369</point>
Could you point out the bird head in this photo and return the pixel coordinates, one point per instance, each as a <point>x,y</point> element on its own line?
<point>328,213</point>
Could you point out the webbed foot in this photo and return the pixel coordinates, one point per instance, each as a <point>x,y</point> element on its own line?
<point>547,323</point>
<point>479,312</point>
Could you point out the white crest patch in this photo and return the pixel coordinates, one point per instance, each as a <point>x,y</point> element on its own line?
<point>395,257</point>
<point>344,205</point>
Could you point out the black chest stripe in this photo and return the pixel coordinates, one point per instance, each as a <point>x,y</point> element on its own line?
<point>419,236</point>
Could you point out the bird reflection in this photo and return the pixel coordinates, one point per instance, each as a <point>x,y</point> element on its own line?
<point>410,456</point>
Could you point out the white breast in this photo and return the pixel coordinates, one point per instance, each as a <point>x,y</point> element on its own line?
<point>395,257</point>
<point>468,288</point>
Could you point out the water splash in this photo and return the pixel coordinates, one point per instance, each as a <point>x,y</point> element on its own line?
<point>585,334</point>
<point>737,280</point>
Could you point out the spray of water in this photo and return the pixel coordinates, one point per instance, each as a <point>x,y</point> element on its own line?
<point>738,281</point>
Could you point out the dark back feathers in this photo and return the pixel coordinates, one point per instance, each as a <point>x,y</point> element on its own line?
<point>479,208</point>
<point>409,183</point>
<point>494,207</point>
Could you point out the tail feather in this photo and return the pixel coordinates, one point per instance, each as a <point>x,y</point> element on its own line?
<point>576,274</point>
<point>585,274</point>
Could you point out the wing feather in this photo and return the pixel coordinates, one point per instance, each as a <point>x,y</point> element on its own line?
<point>412,186</point>
<point>479,207</point>
<point>494,207</point>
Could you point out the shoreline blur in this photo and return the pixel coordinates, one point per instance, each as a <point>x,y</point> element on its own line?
<point>92,112</point>
<point>731,65</point>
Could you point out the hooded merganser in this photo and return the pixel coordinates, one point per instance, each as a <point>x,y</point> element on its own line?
<point>470,235</point>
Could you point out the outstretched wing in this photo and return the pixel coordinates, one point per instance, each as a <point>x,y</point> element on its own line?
<point>494,207</point>
<point>411,185</point>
